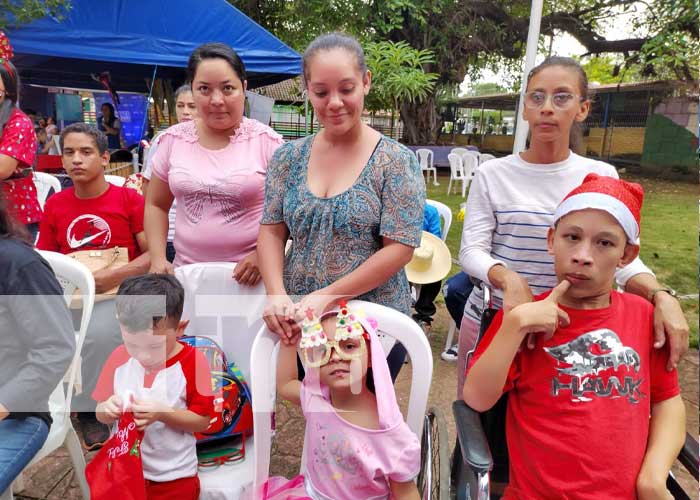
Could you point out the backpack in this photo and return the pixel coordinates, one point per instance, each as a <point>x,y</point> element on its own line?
<point>233,410</point>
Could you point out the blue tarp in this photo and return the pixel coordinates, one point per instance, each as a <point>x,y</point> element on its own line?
<point>129,37</point>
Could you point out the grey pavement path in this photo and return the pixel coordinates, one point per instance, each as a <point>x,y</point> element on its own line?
<point>52,478</point>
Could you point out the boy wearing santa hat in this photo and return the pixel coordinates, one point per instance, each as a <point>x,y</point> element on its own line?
<point>579,402</point>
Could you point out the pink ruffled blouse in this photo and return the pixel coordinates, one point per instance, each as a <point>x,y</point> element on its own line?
<point>219,193</point>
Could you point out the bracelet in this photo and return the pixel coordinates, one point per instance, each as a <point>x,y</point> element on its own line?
<point>668,290</point>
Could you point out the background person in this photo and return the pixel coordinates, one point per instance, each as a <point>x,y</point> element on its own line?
<point>185,110</point>
<point>350,198</point>
<point>37,344</point>
<point>215,167</point>
<point>110,125</point>
<point>18,148</point>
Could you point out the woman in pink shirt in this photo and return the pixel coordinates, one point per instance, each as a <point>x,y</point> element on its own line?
<point>214,166</point>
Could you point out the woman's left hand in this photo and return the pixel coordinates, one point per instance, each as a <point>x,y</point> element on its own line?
<point>247,271</point>
<point>670,324</point>
<point>319,302</point>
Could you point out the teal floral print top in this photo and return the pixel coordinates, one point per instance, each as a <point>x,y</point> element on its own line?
<point>333,236</point>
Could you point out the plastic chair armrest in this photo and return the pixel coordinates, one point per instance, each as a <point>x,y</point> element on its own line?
<point>472,440</point>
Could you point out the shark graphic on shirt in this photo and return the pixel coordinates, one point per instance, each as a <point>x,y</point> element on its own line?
<point>596,363</point>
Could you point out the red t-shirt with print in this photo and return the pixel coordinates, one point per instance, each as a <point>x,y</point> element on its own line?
<point>579,403</point>
<point>112,219</point>
<point>18,141</point>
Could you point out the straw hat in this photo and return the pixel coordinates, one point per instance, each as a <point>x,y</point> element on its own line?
<point>431,261</point>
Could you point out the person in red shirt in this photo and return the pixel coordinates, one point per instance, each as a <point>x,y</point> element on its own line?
<point>579,402</point>
<point>94,214</point>
<point>18,146</point>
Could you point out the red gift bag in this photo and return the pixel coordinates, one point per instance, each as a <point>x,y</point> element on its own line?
<point>116,471</point>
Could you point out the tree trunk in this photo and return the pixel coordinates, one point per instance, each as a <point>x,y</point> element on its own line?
<point>420,122</point>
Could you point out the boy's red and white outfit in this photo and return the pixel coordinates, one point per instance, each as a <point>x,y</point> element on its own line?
<point>112,219</point>
<point>579,403</point>
<point>169,455</point>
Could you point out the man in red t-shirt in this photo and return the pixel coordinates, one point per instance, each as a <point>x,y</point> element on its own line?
<point>93,215</point>
<point>579,402</point>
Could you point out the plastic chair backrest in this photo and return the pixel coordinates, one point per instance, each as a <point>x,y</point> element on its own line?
<point>57,142</point>
<point>445,215</point>
<point>425,158</point>
<point>456,168</point>
<point>72,276</point>
<point>458,151</point>
<point>470,164</point>
<point>485,157</point>
<point>44,183</point>
<point>221,309</point>
<point>391,323</point>
<point>117,180</point>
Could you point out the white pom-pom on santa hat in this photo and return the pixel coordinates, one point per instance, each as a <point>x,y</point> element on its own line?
<point>621,199</point>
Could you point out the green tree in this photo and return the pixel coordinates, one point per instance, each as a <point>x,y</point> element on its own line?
<point>298,22</point>
<point>486,88</point>
<point>467,36</point>
<point>397,75</point>
<point>19,12</point>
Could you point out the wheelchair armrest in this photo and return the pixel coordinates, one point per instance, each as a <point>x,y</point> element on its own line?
<point>472,440</point>
<point>689,455</point>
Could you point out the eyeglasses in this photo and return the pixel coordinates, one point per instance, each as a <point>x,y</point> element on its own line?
<point>216,458</point>
<point>347,350</point>
<point>560,100</point>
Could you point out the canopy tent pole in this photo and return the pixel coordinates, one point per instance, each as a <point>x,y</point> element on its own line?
<point>145,115</point>
<point>533,36</point>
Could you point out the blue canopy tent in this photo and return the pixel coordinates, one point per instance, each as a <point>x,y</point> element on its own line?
<point>131,38</point>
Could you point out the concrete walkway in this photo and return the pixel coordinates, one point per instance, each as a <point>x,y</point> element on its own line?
<point>52,478</point>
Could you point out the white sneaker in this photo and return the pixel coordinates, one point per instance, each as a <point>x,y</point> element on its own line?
<point>450,354</point>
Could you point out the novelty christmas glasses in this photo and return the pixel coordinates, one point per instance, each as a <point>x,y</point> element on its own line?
<point>349,340</point>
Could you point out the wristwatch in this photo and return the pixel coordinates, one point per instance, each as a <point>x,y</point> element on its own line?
<point>666,289</point>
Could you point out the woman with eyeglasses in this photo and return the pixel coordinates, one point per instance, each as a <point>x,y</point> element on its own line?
<point>511,204</point>
<point>18,149</point>
<point>215,167</point>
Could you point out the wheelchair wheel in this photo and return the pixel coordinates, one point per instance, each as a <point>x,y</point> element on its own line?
<point>434,476</point>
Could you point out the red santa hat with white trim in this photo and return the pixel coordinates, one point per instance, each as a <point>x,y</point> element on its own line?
<point>621,199</point>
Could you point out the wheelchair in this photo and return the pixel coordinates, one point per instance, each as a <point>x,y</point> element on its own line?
<point>480,457</point>
<point>434,477</point>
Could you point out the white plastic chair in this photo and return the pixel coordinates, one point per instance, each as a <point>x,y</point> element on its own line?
<point>470,164</point>
<point>231,314</point>
<point>57,142</point>
<point>117,180</point>
<point>445,215</point>
<point>44,183</point>
<point>72,275</point>
<point>456,172</point>
<point>425,159</point>
<point>485,157</point>
<point>393,326</point>
<point>458,151</point>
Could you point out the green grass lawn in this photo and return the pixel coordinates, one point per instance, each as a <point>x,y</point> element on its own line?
<point>669,235</point>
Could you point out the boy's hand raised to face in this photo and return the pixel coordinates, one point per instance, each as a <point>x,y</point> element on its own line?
<point>543,316</point>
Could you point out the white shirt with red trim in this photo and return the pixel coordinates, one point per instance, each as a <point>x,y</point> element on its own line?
<point>185,382</point>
